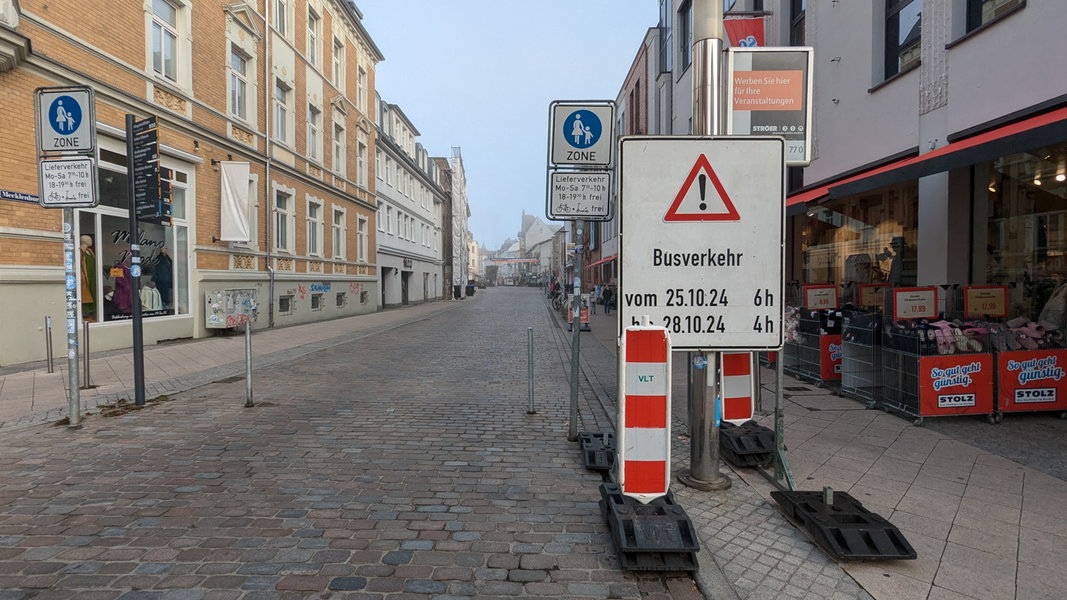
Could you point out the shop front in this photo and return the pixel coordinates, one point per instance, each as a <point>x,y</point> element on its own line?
<point>944,268</point>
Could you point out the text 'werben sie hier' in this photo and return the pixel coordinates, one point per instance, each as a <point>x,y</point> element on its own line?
<point>708,258</point>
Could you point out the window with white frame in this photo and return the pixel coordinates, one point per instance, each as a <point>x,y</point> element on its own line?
<point>338,63</point>
<point>314,39</point>
<point>281,17</point>
<point>314,227</point>
<point>239,96</point>
<point>361,159</point>
<point>282,98</point>
<point>340,233</point>
<point>338,146</point>
<point>378,164</point>
<point>362,239</point>
<point>389,219</point>
<point>380,218</point>
<point>314,133</point>
<point>361,90</point>
<point>284,219</point>
<point>165,50</point>
<point>253,215</point>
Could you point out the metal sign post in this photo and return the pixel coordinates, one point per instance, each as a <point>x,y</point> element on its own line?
<point>581,145</point>
<point>65,119</point>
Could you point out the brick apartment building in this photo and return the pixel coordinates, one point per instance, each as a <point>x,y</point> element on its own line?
<point>266,116</point>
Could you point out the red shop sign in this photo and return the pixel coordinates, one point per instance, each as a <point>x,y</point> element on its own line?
<point>956,384</point>
<point>1031,380</point>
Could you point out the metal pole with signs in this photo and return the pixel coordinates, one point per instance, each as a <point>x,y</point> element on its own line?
<point>581,144</point>
<point>65,122</point>
<point>149,191</point>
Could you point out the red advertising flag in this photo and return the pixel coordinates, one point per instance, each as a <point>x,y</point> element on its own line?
<point>745,32</point>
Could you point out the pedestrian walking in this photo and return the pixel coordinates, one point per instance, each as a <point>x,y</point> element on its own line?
<point>609,297</point>
<point>598,291</point>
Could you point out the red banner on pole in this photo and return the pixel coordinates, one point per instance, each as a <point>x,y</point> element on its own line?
<point>745,32</point>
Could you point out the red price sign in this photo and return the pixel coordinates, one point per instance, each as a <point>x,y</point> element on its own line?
<point>983,300</point>
<point>915,303</point>
<point>818,296</point>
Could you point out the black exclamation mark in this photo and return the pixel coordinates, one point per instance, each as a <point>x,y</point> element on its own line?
<point>702,180</point>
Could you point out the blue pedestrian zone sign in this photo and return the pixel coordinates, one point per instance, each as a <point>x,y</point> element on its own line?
<point>581,134</point>
<point>65,115</point>
<point>582,129</point>
<point>66,121</point>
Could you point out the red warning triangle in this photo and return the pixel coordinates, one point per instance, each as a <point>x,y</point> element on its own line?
<point>702,203</point>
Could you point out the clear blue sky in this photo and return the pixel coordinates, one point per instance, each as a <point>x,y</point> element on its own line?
<point>480,75</point>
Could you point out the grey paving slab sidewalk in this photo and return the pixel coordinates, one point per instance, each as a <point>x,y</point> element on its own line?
<point>980,503</point>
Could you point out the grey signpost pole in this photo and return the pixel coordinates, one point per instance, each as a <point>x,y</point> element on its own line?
<point>576,327</point>
<point>703,472</point>
<point>74,414</point>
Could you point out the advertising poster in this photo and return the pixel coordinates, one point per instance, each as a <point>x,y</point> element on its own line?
<point>956,384</point>
<point>1031,380</point>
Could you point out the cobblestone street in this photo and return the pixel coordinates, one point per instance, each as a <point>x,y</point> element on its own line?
<point>399,465</point>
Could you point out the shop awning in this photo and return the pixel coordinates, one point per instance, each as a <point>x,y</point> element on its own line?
<point>601,261</point>
<point>1037,131</point>
<point>1040,130</point>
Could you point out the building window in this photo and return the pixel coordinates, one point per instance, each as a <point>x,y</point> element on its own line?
<point>314,135</point>
<point>314,228</point>
<point>316,301</point>
<point>282,95</point>
<point>903,26</point>
<point>361,90</point>
<point>338,64</point>
<point>389,219</point>
<point>341,299</point>
<point>666,25</point>
<point>380,219</point>
<point>339,148</point>
<point>238,83</point>
<point>284,218</point>
<point>281,17</point>
<point>378,164</point>
<point>364,297</point>
<point>797,10</point>
<point>314,36</point>
<point>980,12</point>
<point>285,305</point>
<point>362,239</point>
<point>361,159</point>
<point>165,39</point>
<point>340,232</point>
<point>685,34</point>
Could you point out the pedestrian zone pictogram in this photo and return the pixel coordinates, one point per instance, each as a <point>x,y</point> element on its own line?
<point>699,201</point>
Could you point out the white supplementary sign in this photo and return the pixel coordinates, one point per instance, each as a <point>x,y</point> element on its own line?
<point>65,121</point>
<point>579,195</point>
<point>582,134</point>
<point>68,182</point>
<point>702,230</point>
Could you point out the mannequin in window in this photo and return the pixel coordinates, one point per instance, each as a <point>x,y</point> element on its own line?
<point>163,276</point>
<point>88,277</point>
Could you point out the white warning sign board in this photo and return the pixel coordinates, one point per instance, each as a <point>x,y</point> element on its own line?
<point>702,230</point>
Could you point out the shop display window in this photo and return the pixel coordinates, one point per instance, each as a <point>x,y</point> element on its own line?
<point>864,239</point>
<point>1026,226</point>
<point>106,286</point>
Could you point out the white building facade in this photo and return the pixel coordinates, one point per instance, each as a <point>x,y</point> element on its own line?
<point>410,199</point>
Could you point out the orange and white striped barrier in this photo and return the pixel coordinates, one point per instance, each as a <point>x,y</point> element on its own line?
<point>737,384</point>
<point>645,413</point>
